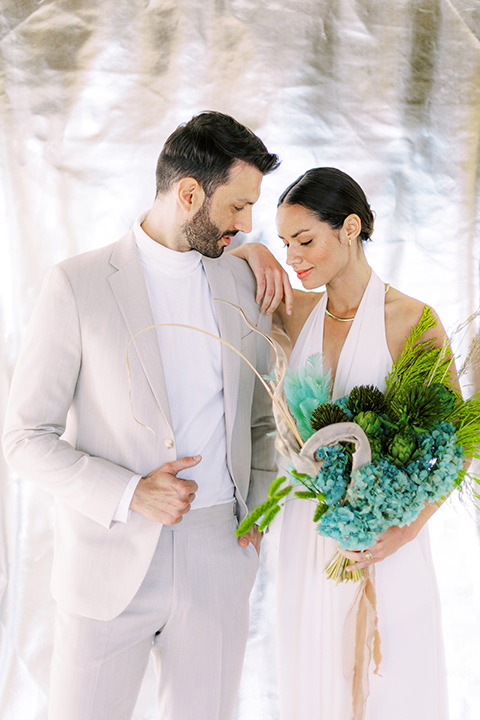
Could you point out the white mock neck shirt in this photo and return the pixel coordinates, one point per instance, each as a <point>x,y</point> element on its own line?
<point>192,362</point>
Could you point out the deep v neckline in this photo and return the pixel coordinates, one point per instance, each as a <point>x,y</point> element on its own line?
<point>364,349</point>
<point>333,375</point>
<point>319,312</point>
<point>352,330</point>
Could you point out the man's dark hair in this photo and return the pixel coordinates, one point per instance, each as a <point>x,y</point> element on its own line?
<point>205,148</point>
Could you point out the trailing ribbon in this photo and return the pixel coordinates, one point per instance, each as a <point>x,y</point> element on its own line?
<point>361,642</point>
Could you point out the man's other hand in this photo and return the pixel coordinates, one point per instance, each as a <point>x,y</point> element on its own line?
<point>253,536</point>
<point>161,496</point>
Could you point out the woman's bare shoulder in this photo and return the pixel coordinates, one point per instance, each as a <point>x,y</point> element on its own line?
<point>303,304</point>
<point>402,312</point>
<point>403,307</point>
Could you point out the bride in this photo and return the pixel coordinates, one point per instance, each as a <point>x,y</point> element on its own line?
<point>359,325</point>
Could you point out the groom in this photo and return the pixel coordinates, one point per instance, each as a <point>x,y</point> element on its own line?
<point>151,458</point>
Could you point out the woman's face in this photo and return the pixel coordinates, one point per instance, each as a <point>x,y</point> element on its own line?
<point>316,251</point>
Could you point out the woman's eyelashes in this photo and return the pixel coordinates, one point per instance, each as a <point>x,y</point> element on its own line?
<point>307,242</point>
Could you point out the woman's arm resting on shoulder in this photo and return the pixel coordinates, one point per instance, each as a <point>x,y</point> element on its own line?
<point>273,284</point>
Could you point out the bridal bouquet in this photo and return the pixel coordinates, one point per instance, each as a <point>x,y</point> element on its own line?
<point>372,459</point>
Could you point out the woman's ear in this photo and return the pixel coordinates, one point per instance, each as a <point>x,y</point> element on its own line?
<point>190,195</point>
<point>352,227</point>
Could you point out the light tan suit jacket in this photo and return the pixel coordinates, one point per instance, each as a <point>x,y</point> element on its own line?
<point>70,426</point>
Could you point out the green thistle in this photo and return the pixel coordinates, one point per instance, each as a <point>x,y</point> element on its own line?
<point>402,448</point>
<point>363,398</point>
<point>327,414</point>
<point>417,406</point>
<point>447,396</point>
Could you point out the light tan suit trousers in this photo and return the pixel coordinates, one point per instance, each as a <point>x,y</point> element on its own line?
<point>191,611</point>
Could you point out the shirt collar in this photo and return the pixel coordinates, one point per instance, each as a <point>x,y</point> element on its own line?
<point>162,259</point>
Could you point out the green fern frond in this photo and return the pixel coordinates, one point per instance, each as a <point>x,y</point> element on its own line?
<point>465,419</point>
<point>460,478</point>
<point>419,362</point>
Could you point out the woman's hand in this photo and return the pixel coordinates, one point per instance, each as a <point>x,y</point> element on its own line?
<point>273,284</point>
<point>389,541</point>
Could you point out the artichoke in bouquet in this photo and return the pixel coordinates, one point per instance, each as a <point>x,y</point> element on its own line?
<point>375,447</point>
<point>371,424</point>
<point>403,447</point>
<point>369,421</point>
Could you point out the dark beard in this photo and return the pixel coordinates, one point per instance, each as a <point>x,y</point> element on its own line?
<point>203,235</point>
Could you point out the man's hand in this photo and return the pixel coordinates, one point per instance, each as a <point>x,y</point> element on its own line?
<point>253,536</point>
<point>273,284</point>
<point>161,496</point>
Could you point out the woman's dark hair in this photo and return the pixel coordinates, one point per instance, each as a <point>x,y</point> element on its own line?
<point>205,148</point>
<point>331,195</point>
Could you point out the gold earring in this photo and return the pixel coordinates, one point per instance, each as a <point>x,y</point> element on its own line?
<point>349,241</point>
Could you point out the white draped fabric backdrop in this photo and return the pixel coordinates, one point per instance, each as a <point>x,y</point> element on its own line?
<point>387,90</point>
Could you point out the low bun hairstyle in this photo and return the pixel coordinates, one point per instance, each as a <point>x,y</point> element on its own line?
<point>332,196</point>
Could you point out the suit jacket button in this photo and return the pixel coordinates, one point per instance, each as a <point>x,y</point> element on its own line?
<point>168,442</point>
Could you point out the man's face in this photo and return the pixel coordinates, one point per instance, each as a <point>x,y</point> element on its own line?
<point>203,235</point>
<point>226,212</point>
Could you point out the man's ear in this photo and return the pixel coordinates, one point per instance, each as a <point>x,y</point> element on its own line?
<point>190,195</point>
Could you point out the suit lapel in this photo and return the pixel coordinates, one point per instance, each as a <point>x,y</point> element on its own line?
<point>223,286</point>
<point>129,289</point>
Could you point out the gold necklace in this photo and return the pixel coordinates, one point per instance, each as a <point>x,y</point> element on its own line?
<point>327,312</point>
<point>335,317</point>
